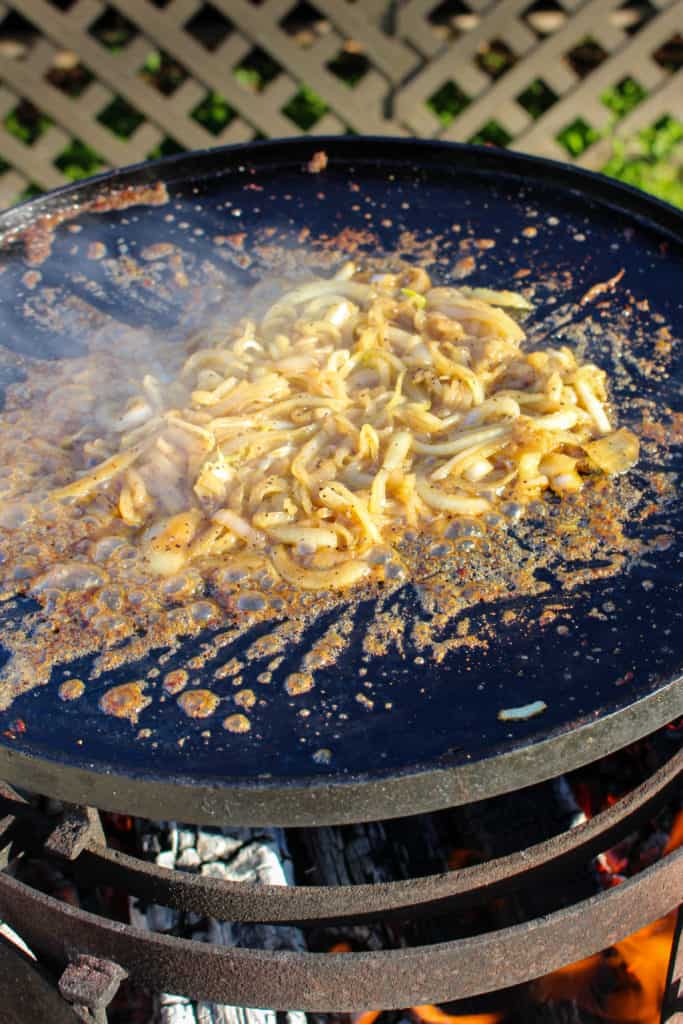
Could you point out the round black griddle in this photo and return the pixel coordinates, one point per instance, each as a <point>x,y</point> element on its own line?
<point>607,678</point>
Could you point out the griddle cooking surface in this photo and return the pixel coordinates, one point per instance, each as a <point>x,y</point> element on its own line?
<point>608,667</point>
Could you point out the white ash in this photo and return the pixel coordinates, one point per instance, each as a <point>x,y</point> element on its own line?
<point>237,855</point>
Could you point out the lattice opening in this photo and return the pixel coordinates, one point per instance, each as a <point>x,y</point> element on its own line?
<point>624,96</point>
<point>26,123</point>
<point>71,77</point>
<point>17,36</point>
<point>577,136</point>
<point>537,98</point>
<point>112,29</point>
<point>452,19</point>
<point>305,109</point>
<point>634,14</point>
<point>350,65</point>
<point>214,113</point>
<point>30,192</point>
<point>256,70</point>
<point>586,56</point>
<point>79,160</point>
<point>544,17</point>
<point>495,58</point>
<point>63,5</point>
<point>448,101</point>
<point>491,134</point>
<point>167,147</point>
<point>304,24</point>
<point>163,72</point>
<point>120,117</point>
<point>670,54</point>
<point>209,27</point>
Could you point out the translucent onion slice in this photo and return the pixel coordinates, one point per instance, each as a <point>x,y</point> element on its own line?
<point>616,453</point>
<point>346,574</point>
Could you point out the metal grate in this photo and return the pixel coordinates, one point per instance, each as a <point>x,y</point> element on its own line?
<point>88,85</point>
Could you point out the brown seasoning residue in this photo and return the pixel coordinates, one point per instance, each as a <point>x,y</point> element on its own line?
<point>317,163</point>
<point>175,681</point>
<point>198,703</point>
<point>71,689</point>
<point>119,617</point>
<point>125,701</point>
<point>298,682</point>
<point>38,236</point>
<point>237,723</point>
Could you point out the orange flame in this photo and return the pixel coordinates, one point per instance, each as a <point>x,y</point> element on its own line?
<point>433,1015</point>
<point>460,858</point>
<point>341,947</point>
<point>637,967</point>
<point>367,1018</point>
<point>623,985</point>
<point>676,837</point>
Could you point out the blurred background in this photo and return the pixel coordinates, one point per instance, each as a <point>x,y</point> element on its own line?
<point>86,85</point>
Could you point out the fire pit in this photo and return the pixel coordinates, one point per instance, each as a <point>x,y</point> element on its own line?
<point>511,693</point>
<point>548,879</point>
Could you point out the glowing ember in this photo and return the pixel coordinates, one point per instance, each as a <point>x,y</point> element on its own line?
<point>676,837</point>
<point>434,1015</point>
<point>625,983</point>
<point>460,858</point>
<point>367,1018</point>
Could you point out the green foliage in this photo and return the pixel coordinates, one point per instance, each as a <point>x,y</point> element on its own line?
<point>306,108</point>
<point>256,70</point>
<point>167,147</point>
<point>577,137</point>
<point>622,98</point>
<point>78,161</point>
<point>492,134</point>
<point>27,123</point>
<point>121,118</point>
<point>538,98</point>
<point>447,102</point>
<point>652,160</point>
<point>30,192</point>
<point>214,112</point>
<point>163,72</point>
<point>496,58</point>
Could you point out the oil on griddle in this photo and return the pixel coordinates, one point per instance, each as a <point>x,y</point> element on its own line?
<point>81,616</point>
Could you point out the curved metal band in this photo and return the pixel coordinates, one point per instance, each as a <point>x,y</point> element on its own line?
<point>429,895</point>
<point>317,801</point>
<point>348,982</point>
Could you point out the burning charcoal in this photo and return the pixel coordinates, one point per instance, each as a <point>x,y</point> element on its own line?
<point>175,1010</point>
<point>567,801</point>
<point>208,1013</point>
<point>189,860</point>
<point>256,863</point>
<point>216,869</point>
<point>153,917</point>
<point>211,846</point>
<point>150,845</point>
<point>235,854</point>
<point>187,838</point>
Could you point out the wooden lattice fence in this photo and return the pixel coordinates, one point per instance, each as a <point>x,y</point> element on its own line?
<point>123,81</point>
